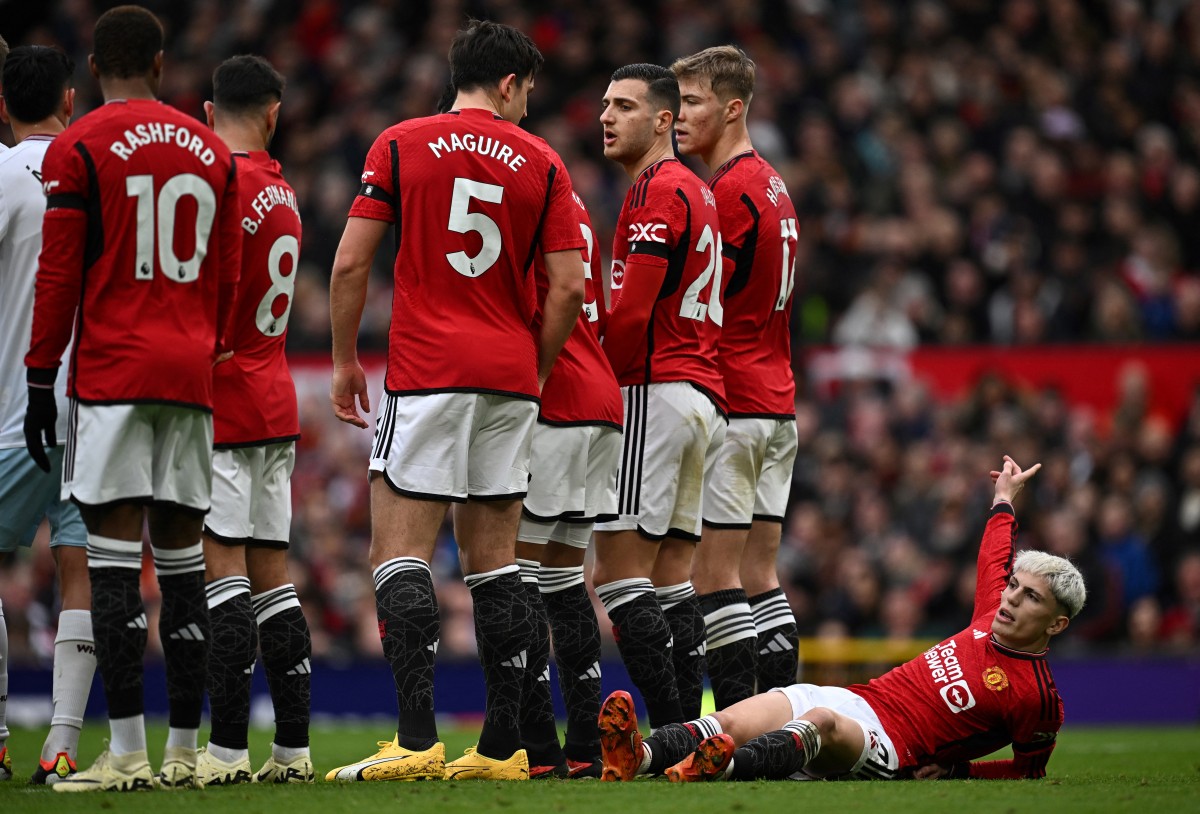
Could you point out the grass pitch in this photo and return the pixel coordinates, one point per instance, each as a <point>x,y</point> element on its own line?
<point>1148,770</point>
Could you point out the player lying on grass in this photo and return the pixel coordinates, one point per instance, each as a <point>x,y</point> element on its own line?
<point>964,698</point>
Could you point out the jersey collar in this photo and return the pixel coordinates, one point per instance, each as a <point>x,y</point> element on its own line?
<point>1019,654</point>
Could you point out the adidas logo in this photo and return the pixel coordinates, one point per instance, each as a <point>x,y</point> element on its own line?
<point>593,672</point>
<point>545,676</point>
<point>701,650</point>
<point>433,647</point>
<point>191,633</point>
<point>138,624</point>
<point>519,661</point>
<point>301,669</point>
<point>778,644</point>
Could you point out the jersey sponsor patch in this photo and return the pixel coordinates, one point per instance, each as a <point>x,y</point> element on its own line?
<point>957,696</point>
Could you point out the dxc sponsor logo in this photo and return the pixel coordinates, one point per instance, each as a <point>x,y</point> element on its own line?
<point>647,231</point>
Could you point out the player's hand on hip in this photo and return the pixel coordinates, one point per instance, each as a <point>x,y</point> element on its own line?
<point>1010,480</point>
<point>350,382</point>
<point>40,417</point>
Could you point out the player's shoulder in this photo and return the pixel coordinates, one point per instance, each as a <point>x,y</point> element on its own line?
<point>669,180</point>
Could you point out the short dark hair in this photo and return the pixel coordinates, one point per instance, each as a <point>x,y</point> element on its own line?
<point>246,84</point>
<point>484,52</point>
<point>125,41</point>
<point>662,86</point>
<point>35,77</point>
<point>445,102</point>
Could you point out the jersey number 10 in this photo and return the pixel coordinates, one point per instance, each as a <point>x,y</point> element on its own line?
<point>176,187</point>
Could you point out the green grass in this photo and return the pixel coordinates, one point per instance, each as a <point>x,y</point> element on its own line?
<point>1148,770</point>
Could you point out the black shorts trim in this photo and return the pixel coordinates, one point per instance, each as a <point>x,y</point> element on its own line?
<point>769,518</point>
<point>679,534</point>
<point>741,526</point>
<point>162,402</point>
<point>486,498</point>
<point>146,502</point>
<point>775,416</point>
<point>266,442</point>
<point>482,391</point>
<point>245,542</point>
<point>584,423</point>
<point>377,473</point>
<point>573,518</point>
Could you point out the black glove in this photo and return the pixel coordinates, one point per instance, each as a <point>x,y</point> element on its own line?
<point>41,415</point>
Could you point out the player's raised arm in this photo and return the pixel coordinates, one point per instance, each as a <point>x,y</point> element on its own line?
<point>347,296</point>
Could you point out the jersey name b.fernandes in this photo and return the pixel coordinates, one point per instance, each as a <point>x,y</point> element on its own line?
<point>141,252</point>
<point>671,216</point>
<point>968,696</point>
<point>474,198</point>
<point>759,230</point>
<point>254,396</point>
<point>582,388</point>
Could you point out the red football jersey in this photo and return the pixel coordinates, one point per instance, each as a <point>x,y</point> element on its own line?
<point>582,388</point>
<point>474,198</point>
<point>670,214</point>
<point>968,696</point>
<point>254,396</point>
<point>759,231</point>
<point>141,253</point>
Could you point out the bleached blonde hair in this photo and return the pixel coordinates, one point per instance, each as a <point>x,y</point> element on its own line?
<point>1064,579</point>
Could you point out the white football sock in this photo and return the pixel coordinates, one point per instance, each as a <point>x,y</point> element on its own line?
<point>74,666</point>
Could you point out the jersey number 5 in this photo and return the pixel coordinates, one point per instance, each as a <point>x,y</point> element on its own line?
<point>176,187</point>
<point>691,307</point>
<point>462,220</point>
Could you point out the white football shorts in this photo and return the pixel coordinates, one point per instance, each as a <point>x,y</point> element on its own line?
<point>454,446</point>
<point>160,453</point>
<point>572,484</point>
<point>878,760</point>
<point>753,474</point>
<point>673,433</point>
<point>252,495</point>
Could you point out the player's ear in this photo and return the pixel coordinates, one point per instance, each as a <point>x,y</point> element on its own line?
<point>1058,625</point>
<point>665,122</point>
<point>92,69</point>
<point>4,112</point>
<point>68,107</point>
<point>508,86</point>
<point>208,115</point>
<point>734,109</point>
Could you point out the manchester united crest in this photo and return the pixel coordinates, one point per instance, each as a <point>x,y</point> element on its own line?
<point>995,679</point>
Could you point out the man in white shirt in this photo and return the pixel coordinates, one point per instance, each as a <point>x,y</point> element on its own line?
<point>38,101</point>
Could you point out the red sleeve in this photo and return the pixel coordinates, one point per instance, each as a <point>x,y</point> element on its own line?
<point>1029,761</point>
<point>377,196</point>
<point>995,560</point>
<point>60,265</point>
<point>230,231</point>
<point>627,322</point>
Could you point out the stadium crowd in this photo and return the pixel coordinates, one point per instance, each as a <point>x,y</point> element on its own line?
<point>965,171</point>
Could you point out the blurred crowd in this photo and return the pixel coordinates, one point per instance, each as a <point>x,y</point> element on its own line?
<point>966,171</point>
